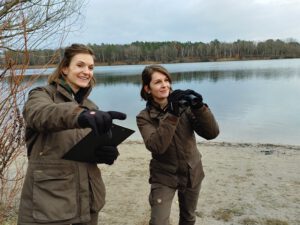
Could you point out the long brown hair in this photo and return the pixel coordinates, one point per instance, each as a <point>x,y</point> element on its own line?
<point>147,77</point>
<point>69,53</point>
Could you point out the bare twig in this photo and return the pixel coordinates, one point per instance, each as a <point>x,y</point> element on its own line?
<point>24,25</point>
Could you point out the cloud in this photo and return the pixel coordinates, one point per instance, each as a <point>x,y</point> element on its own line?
<point>125,21</point>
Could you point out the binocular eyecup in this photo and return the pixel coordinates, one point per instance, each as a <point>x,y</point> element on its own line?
<point>189,100</point>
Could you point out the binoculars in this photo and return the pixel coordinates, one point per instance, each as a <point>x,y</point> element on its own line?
<point>189,100</point>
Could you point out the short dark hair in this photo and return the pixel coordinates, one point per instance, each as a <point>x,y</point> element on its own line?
<point>147,77</point>
<point>69,53</point>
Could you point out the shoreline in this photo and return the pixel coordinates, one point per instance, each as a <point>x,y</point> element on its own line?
<point>120,63</point>
<point>231,144</point>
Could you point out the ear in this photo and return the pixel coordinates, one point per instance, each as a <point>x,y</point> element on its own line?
<point>65,70</point>
<point>147,89</point>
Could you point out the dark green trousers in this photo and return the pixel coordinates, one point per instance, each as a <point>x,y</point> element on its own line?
<point>161,198</point>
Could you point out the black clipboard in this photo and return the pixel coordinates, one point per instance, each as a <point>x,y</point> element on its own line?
<point>84,150</point>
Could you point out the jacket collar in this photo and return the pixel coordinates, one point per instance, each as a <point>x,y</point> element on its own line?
<point>63,83</point>
<point>64,88</point>
<point>154,109</point>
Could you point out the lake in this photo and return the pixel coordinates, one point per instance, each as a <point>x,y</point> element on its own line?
<point>253,101</point>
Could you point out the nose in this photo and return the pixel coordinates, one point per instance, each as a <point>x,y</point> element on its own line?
<point>165,84</point>
<point>86,69</point>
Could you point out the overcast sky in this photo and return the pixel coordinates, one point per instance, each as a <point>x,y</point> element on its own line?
<point>126,21</point>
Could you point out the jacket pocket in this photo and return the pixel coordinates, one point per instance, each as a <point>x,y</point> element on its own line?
<point>97,188</point>
<point>54,194</point>
<point>163,173</point>
<point>196,174</point>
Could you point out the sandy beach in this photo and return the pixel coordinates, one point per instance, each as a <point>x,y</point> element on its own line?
<point>248,184</point>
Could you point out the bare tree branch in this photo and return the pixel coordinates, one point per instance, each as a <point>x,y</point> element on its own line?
<point>24,25</point>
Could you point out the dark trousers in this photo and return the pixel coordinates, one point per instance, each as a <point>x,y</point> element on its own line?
<point>161,198</point>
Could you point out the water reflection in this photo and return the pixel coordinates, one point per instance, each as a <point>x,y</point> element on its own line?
<point>213,76</point>
<point>212,71</point>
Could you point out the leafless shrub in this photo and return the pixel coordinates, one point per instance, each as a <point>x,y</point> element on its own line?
<point>24,25</point>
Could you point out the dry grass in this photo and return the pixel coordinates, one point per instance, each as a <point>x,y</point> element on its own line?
<point>275,222</point>
<point>226,214</point>
<point>10,216</point>
<point>248,221</point>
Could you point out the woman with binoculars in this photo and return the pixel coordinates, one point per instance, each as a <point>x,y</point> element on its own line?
<point>167,126</point>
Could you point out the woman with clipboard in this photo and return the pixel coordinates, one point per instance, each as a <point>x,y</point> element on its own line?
<point>58,191</point>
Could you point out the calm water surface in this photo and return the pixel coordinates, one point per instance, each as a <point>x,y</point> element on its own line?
<point>253,101</point>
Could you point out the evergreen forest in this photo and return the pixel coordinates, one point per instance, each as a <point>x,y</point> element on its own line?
<point>175,52</point>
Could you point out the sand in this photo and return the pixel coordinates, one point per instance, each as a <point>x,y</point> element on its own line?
<point>245,184</point>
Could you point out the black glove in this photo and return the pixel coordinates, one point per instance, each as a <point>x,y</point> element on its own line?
<point>193,98</point>
<point>174,102</point>
<point>117,115</point>
<point>99,121</point>
<point>106,154</point>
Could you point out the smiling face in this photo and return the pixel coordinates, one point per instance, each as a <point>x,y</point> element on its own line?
<point>80,71</point>
<point>159,88</point>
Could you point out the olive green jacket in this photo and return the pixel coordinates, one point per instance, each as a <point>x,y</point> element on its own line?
<point>57,191</point>
<point>176,160</point>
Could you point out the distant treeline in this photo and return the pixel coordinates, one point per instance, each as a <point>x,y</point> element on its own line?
<point>175,52</point>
